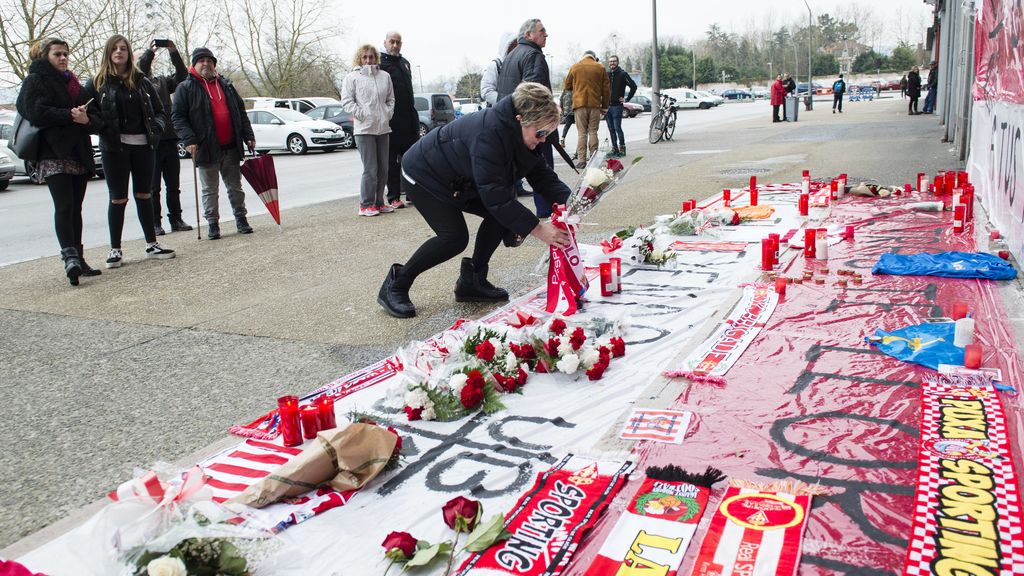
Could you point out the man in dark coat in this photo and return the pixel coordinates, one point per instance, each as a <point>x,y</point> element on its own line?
<point>838,89</point>
<point>405,123</point>
<point>932,84</point>
<point>166,161</point>
<point>790,85</point>
<point>210,118</point>
<point>526,63</point>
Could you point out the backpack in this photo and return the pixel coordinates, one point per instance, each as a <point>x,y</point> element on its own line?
<point>839,86</point>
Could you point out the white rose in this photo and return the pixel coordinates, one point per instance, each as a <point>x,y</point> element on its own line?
<point>595,178</point>
<point>569,363</point>
<point>166,566</point>
<point>457,383</point>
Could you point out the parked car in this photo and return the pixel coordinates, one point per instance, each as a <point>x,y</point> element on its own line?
<point>715,98</point>
<point>737,95</point>
<point>6,169</point>
<point>760,93</point>
<point>631,110</point>
<point>26,168</point>
<point>334,113</point>
<point>284,129</point>
<point>801,88</point>
<point>303,105</point>
<point>686,98</point>
<point>435,110</point>
<point>643,101</point>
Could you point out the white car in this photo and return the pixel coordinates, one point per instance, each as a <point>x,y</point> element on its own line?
<point>686,98</point>
<point>24,168</point>
<point>6,168</point>
<point>716,100</point>
<point>285,129</point>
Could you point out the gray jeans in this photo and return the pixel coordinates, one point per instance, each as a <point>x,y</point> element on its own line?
<point>209,179</point>
<point>373,151</point>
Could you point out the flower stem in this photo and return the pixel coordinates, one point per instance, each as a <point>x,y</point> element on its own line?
<point>388,569</point>
<point>451,556</point>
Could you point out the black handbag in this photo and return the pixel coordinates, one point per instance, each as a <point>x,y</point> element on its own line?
<point>24,141</point>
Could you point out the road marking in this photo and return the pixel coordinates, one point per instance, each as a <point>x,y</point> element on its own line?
<point>702,152</point>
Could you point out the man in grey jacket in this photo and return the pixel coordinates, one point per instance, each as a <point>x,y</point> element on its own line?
<point>489,75</point>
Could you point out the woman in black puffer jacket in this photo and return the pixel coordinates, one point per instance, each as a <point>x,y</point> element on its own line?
<point>52,99</point>
<point>133,120</point>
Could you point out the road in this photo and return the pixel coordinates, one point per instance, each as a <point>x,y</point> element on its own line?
<point>26,211</point>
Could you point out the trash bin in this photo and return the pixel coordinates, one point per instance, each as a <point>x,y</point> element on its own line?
<point>792,108</point>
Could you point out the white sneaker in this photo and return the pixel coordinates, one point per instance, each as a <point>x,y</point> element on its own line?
<point>154,251</point>
<point>114,258</point>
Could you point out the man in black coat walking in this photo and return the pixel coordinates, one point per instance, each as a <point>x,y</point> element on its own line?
<point>405,123</point>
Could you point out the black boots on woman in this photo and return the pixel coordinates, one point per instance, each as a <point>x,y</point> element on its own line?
<point>72,264</point>
<point>394,294</point>
<point>86,269</point>
<point>472,286</point>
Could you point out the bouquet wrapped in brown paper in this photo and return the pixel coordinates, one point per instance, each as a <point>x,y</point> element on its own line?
<point>346,458</point>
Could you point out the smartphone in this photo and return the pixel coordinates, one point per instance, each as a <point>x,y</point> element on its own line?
<point>161,43</point>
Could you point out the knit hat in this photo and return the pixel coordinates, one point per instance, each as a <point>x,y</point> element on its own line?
<point>203,53</point>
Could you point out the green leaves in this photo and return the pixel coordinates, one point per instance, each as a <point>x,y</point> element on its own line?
<point>487,533</point>
<point>427,553</point>
<point>492,400</point>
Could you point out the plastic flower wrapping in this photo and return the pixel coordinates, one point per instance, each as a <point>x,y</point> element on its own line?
<point>599,177</point>
<point>482,362</point>
<point>637,247</point>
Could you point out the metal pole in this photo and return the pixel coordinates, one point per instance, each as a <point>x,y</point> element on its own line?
<point>655,81</point>
<point>694,55</point>
<point>810,63</point>
<point>420,72</point>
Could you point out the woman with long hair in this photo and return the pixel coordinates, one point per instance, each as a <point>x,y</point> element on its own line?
<point>367,94</point>
<point>52,99</point>
<point>913,89</point>
<point>133,120</point>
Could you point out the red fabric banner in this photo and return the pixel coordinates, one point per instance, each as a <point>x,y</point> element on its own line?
<point>999,52</point>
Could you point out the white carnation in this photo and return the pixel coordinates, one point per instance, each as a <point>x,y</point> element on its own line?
<point>457,383</point>
<point>166,566</point>
<point>497,346</point>
<point>589,356</point>
<point>511,362</point>
<point>428,412</point>
<point>569,363</point>
<point>564,345</point>
<point>417,398</point>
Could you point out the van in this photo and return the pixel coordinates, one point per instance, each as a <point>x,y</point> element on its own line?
<point>435,110</point>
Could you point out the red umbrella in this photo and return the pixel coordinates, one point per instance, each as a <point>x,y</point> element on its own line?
<point>260,174</point>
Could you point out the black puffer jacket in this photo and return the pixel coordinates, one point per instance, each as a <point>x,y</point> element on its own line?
<point>193,118</point>
<point>154,118</point>
<point>480,156</point>
<point>44,101</point>
<point>405,123</point>
<point>164,85</point>
<point>914,85</point>
<point>524,64</point>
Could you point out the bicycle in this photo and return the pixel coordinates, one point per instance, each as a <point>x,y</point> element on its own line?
<point>663,125</point>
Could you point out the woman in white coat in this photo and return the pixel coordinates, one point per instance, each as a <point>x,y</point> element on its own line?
<point>367,94</point>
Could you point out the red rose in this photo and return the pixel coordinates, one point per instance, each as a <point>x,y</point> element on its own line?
<point>557,326</point>
<point>578,338</point>
<point>475,379</point>
<point>614,165</point>
<point>618,347</point>
<point>398,441</point>
<point>471,396</point>
<point>485,351</point>
<point>461,514</point>
<point>399,546</point>
<point>735,218</point>
<point>413,413</point>
<point>589,194</point>
<point>551,347</point>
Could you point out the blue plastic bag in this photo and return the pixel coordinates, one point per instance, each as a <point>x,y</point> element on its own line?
<point>946,264</point>
<point>928,344</point>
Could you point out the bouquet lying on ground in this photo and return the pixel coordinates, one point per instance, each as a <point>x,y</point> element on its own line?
<point>636,246</point>
<point>492,360</point>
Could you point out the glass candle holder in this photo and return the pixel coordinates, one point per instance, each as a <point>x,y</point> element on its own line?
<point>972,356</point>
<point>288,420</point>
<point>310,416</point>
<point>325,406</point>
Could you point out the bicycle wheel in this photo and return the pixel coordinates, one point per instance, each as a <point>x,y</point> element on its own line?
<point>670,125</point>
<point>657,129</point>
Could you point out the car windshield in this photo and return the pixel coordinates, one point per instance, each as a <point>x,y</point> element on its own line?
<point>290,115</point>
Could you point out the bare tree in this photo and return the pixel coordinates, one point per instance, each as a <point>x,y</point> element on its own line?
<point>31,21</point>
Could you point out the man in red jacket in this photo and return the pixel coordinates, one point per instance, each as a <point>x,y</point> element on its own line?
<point>778,97</point>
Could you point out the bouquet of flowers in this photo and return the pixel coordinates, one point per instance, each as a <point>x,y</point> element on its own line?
<point>693,222</point>
<point>598,178</point>
<point>638,247</point>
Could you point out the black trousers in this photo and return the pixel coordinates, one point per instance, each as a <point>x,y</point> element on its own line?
<point>67,192</point>
<point>449,224</point>
<point>837,100</point>
<point>775,113</point>
<point>397,146</point>
<point>912,106</point>
<point>135,162</point>
<point>167,164</point>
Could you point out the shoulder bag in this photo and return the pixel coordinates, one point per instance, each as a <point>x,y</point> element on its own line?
<point>24,140</point>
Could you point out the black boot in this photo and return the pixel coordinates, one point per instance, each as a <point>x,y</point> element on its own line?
<point>394,294</point>
<point>179,225</point>
<point>86,269</point>
<point>72,264</point>
<point>474,287</point>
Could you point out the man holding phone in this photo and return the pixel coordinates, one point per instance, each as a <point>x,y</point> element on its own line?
<point>166,162</point>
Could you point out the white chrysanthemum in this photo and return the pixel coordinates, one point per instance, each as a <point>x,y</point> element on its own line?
<point>457,383</point>
<point>511,362</point>
<point>417,398</point>
<point>564,345</point>
<point>428,412</point>
<point>166,566</point>
<point>605,341</point>
<point>569,363</point>
<point>498,348</point>
<point>589,356</point>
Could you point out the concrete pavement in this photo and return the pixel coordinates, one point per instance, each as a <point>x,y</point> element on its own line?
<point>154,361</point>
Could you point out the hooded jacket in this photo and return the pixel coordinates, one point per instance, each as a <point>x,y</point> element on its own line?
<point>193,116</point>
<point>478,158</point>
<point>589,83</point>
<point>164,85</point>
<point>45,102</point>
<point>367,94</point>
<point>524,64</point>
<point>490,73</point>
<point>154,118</point>
<point>405,122</point>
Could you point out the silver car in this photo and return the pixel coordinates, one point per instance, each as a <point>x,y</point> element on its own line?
<point>6,168</point>
<point>26,168</point>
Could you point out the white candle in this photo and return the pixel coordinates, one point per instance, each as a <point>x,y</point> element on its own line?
<point>821,248</point>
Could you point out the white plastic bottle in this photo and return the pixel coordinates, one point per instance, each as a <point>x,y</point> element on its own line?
<point>963,333</point>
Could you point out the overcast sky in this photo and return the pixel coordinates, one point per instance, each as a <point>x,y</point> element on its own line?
<point>446,38</point>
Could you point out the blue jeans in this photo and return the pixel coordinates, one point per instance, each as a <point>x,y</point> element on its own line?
<point>614,119</point>
<point>929,102</point>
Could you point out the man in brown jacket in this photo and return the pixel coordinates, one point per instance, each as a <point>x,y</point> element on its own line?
<point>591,94</point>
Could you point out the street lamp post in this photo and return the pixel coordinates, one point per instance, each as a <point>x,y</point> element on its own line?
<point>655,81</point>
<point>810,35</point>
<point>419,71</point>
<point>771,77</point>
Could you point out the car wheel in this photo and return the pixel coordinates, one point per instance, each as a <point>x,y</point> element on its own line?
<point>33,173</point>
<point>349,141</point>
<point>704,106</point>
<point>296,144</point>
<point>423,130</point>
<point>3,184</point>
<point>182,152</point>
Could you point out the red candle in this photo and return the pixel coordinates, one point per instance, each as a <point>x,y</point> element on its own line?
<point>767,254</point>
<point>616,273</point>
<point>775,247</point>
<point>834,190</point>
<point>940,180</point>
<point>310,416</point>
<point>1004,254</point>
<point>968,200</point>
<point>607,288</point>
<point>972,356</point>
<point>780,286</point>
<point>959,310</point>
<point>950,181</point>
<point>849,232</point>
<point>993,235</point>
<point>906,188</point>
<point>727,196</point>
<point>806,174</point>
<point>804,204</point>
<point>959,214</point>
<point>961,178</point>
<point>288,420</point>
<point>810,235</point>
<point>920,178</point>
<point>325,405</point>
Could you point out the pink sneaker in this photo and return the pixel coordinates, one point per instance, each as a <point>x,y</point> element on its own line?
<point>369,211</point>
<point>397,204</point>
<point>385,209</point>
